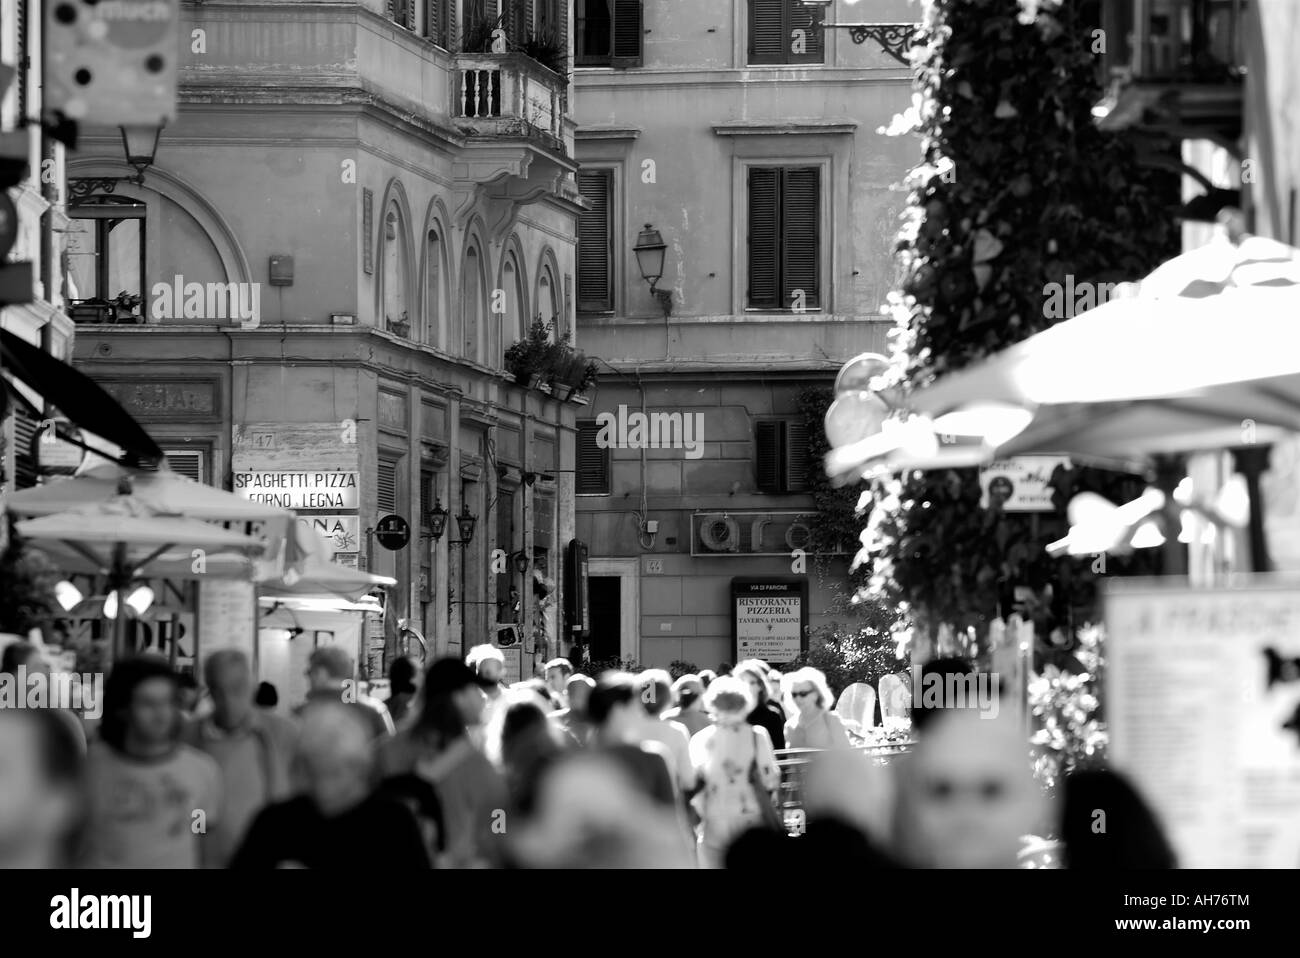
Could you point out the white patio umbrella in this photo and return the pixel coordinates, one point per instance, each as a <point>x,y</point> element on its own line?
<point>317,576</point>
<point>122,537</point>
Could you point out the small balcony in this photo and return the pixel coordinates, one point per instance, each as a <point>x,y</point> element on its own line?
<point>1177,67</point>
<point>509,95</point>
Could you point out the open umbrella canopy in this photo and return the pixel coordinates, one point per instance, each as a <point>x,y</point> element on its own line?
<point>122,536</point>
<point>172,494</point>
<point>317,576</point>
<point>1214,268</point>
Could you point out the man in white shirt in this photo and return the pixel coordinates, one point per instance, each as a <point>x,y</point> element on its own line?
<point>656,689</point>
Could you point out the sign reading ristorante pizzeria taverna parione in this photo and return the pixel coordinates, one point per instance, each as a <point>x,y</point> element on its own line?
<point>769,618</point>
<point>300,490</point>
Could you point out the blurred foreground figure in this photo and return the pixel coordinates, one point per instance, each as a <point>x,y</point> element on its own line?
<point>558,673</point>
<point>590,812</point>
<point>656,690</point>
<point>41,780</point>
<point>402,676</point>
<point>528,742</point>
<point>811,722</point>
<point>253,748</point>
<point>331,673</point>
<point>337,823</point>
<point>1106,825</point>
<point>966,794</point>
<point>574,720</point>
<point>471,792</point>
<point>153,801</point>
<point>688,693</point>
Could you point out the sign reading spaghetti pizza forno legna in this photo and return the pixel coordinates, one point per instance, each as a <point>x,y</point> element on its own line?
<point>299,490</point>
<point>769,618</point>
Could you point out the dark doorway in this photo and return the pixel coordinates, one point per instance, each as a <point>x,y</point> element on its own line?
<point>603,610</point>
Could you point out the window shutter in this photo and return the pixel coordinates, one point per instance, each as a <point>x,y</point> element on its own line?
<point>764,237</point>
<point>387,498</point>
<point>595,279</point>
<point>410,14</point>
<point>453,39</point>
<point>799,17</point>
<point>796,457</point>
<point>561,8</point>
<point>390,9</point>
<point>767,455</point>
<point>433,22</point>
<point>800,194</point>
<point>592,461</point>
<point>490,8</point>
<point>767,34</point>
<point>187,462</point>
<point>626,46</point>
<point>426,498</point>
<point>24,59</point>
<point>26,469</point>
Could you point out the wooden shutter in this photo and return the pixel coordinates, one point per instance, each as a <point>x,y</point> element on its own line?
<point>800,206</point>
<point>595,234</point>
<point>387,491</point>
<point>796,457</point>
<point>764,238</point>
<point>24,59</point>
<point>767,32</point>
<point>593,462</point>
<point>453,38</point>
<point>434,22</point>
<point>26,467</point>
<point>625,48</point>
<point>426,498</point>
<point>767,455</point>
<point>187,462</point>
<point>561,8</point>
<point>799,17</point>
<point>410,14</point>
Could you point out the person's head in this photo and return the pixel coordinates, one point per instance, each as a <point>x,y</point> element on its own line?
<point>526,737</point>
<point>267,697</point>
<point>579,688</point>
<point>334,757</point>
<point>557,675</point>
<point>967,794</point>
<point>402,675</point>
<point>488,664</point>
<point>41,780</point>
<point>752,675</point>
<point>707,676</point>
<point>187,691</point>
<point>688,692</point>
<point>729,700</point>
<point>615,705</point>
<point>140,707</point>
<point>328,668</point>
<point>453,701</point>
<point>936,673</point>
<point>229,679</point>
<point>806,692</point>
<point>23,654</point>
<point>1132,837</point>
<point>656,688</point>
<point>774,685</point>
<point>724,668</point>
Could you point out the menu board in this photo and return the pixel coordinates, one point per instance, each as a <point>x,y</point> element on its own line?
<point>226,616</point>
<point>769,618</point>
<point>1202,697</point>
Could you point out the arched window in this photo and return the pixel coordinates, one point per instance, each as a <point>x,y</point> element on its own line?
<point>435,315</point>
<point>514,321</point>
<point>548,301</point>
<point>397,315</point>
<point>473,305</point>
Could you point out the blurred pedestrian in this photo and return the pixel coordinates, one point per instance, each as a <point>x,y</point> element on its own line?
<point>473,794</point>
<point>656,689</point>
<point>619,719</point>
<point>154,801</point>
<point>813,724</point>
<point>21,660</point>
<point>254,749</point>
<point>42,800</point>
<point>706,677</point>
<point>337,823</point>
<point>737,767</point>
<point>574,720</point>
<point>766,715</point>
<point>558,672</point>
<point>1130,836</point>
<point>402,676</point>
<point>688,693</point>
<point>966,795</point>
<point>331,675</point>
<point>528,742</point>
<point>941,674</point>
<point>489,666</point>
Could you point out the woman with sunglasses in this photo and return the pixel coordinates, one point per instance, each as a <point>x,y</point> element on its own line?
<point>809,701</point>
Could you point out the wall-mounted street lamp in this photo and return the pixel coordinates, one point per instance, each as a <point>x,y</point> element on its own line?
<point>894,38</point>
<point>649,250</point>
<point>464,522</point>
<point>140,144</point>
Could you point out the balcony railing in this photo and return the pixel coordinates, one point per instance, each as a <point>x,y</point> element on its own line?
<point>508,94</point>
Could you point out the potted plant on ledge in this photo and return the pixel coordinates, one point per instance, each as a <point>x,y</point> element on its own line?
<point>530,359</point>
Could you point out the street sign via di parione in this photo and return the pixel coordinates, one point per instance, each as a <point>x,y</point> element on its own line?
<point>393,532</point>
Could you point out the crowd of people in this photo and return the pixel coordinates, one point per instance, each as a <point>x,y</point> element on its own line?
<point>459,770</point>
